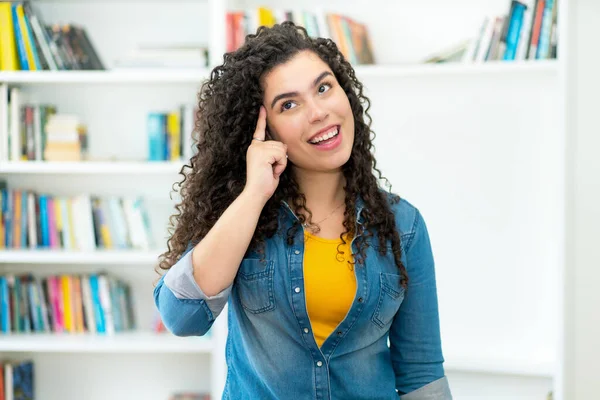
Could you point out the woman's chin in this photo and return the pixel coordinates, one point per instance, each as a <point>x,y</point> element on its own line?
<point>331,164</point>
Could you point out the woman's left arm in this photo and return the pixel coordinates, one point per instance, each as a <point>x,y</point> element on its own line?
<point>415,341</point>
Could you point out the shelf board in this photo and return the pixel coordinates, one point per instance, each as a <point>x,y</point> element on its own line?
<point>91,167</point>
<point>117,257</point>
<point>149,76</point>
<point>157,76</point>
<point>124,342</point>
<point>498,366</point>
<point>452,69</point>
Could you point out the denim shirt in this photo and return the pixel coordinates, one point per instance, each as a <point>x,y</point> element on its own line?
<point>271,352</point>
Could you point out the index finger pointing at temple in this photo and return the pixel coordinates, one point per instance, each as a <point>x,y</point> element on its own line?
<point>261,124</point>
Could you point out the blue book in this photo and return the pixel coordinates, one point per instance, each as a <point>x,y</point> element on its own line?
<point>4,305</point>
<point>24,217</point>
<point>7,211</point>
<point>98,314</point>
<point>514,30</point>
<point>44,225</point>
<point>23,381</point>
<point>157,135</point>
<point>21,51</point>
<point>544,43</point>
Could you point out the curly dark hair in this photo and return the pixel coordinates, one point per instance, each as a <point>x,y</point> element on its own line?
<point>227,112</point>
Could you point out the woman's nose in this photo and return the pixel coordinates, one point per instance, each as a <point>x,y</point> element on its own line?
<point>316,112</point>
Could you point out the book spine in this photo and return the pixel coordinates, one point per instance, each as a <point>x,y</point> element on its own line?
<point>545,31</point>
<point>514,30</point>
<point>9,57</point>
<point>22,52</point>
<point>32,48</point>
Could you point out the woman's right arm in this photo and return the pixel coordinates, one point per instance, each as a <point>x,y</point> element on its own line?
<point>194,291</point>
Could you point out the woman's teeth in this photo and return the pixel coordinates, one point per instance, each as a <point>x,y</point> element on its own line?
<point>325,137</point>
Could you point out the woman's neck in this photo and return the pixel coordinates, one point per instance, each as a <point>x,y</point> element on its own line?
<point>323,190</point>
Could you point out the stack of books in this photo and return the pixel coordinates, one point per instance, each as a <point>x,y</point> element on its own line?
<point>66,138</point>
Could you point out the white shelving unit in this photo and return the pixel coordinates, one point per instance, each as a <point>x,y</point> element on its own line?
<point>127,76</point>
<point>194,76</point>
<point>474,146</point>
<point>91,168</point>
<point>124,343</point>
<point>57,257</point>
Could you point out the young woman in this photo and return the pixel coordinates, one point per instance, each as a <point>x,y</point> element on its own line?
<point>282,218</point>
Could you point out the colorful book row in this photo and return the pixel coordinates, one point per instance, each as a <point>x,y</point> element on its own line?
<point>528,31</point>
<point>88,303</point>
<point>32,220</point>
<point>351,37</point>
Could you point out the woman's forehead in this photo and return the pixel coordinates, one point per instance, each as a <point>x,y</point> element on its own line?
<point>297,74</point>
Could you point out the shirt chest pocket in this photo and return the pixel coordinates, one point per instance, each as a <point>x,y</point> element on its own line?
<point>254,284</point>
<point>391,295</point>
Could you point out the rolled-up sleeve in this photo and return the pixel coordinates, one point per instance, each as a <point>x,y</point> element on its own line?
<point>180,280</point>
<point>184,309</point>
<point>436,390</point>
<point>415,340</point>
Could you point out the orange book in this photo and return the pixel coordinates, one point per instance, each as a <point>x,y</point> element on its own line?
<point>78,304</point>
<point>337,34</point>
<point>17,218</point>
<point>67,289</point>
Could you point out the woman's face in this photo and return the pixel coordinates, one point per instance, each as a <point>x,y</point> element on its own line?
<point>309,111</point>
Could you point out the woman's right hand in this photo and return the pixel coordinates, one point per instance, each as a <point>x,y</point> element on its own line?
<point>265,161</point>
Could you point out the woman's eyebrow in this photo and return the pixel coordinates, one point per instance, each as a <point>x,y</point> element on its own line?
<point>319,78</point>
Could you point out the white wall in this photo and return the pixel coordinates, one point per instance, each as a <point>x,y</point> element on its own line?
<point>582,269</point>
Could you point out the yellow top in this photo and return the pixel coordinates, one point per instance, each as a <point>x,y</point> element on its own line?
<point>329,283</point>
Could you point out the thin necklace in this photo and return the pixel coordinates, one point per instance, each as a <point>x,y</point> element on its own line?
<point>330,214</point>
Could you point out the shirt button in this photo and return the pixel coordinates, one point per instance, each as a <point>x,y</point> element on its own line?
<point>297,252</point>
<point>305,330</point>
<point>319,363</point>
<point>297,290</point>
<point>360,300</point>
<point>339,333</point>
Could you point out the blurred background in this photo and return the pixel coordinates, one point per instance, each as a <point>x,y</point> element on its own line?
<point>484,114</point>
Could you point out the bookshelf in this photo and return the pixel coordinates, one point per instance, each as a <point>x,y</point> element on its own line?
<point>124,343</point>
<point>57,257</point>
<point>193,76</point>
<point>142,76</point>
<point>91,167</point>
<point>488,172</point>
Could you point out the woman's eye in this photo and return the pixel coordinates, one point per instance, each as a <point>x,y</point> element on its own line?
<point>324,87</point>
<point>287,105</point>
